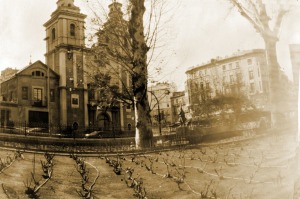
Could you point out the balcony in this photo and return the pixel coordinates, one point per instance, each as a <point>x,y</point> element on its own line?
<point>39,103</point>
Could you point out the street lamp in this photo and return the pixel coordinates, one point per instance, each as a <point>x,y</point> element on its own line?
<point>167,92</point>
<point>48,87</point>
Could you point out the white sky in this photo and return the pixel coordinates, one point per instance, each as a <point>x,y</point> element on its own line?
<point>198,31</point>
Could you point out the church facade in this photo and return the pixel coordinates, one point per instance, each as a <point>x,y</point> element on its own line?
<point>65,54</point>
<point>59,92</point>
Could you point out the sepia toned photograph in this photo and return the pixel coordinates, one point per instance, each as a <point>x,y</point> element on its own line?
<point>149,99</point>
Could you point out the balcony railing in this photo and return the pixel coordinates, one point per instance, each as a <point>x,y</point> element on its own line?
<point>39,103</point>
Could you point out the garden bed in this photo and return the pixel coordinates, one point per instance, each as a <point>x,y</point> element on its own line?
<point>256,168</point>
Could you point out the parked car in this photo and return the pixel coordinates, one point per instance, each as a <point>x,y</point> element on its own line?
<point>67,132</point>
<point>94,134</point>
<point>62,135</point>
<point>28,130</point>
<point>36,130</point>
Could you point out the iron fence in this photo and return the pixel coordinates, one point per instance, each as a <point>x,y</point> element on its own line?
<point>62,138</point>
<point>54,130</point>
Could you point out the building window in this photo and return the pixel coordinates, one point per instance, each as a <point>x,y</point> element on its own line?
<point>260,86</point>
<point>237,64</point>
<point>231,79</point>
<point>201,86</point>
<point>249,61</point>
<point>224,78</point>
<point>38,73</point>
<point>258,72</point>
<point>75,101</point>
<point>224,67</point>
<point>25,93</point>
<point>92,94</point>
<point>207,86</point>
<point>53,34</point>
<point>239,77</point>
<point>72,29</point>
<point>251,76</point>
<point>11,96</point>
<point>209,95</point>
<point>52,95</point>
<point>37,95</point>
<point>252,87</point>
<point>230,66</point>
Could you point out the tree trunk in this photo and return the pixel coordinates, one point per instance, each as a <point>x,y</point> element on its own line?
<point>275,86</point>
<point>144,134</point>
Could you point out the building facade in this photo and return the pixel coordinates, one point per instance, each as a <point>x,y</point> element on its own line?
<point>244,73</point>
<point>7,73</point>
<point>74,100</point>
<point>295,59</point>
<point>111,97</point>
<point>159,96</point>
<point>178,103</point>
<point>29,96</point>
<point>65,54</point>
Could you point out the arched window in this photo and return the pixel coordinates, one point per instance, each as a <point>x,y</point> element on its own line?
<point>53,33</point>
<point>72,29</point>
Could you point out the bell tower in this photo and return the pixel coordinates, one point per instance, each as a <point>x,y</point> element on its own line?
<point>65,54</point>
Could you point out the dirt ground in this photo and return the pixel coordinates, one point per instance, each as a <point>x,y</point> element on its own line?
<point>261,168</point>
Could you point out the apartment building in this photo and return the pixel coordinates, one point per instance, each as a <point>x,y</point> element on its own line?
<point>244,73</point>
<point>159,96</point>
<point>28,96</point>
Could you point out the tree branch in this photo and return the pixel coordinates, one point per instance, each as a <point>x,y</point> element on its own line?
<point>278,22</point>
<point>254,20</point>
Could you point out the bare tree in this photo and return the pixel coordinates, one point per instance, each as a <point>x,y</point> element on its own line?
<point>256,13</point>
<point>119,63</point>
<point>140,76</point>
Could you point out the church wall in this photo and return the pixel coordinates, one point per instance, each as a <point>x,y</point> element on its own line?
<point>75,109</point>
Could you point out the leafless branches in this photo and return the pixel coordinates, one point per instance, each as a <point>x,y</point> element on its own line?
<point>47,168</point>
<point>135,183</point>
<point>87,191</point>
<point>7,162</point>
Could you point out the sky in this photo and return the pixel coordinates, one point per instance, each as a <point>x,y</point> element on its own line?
<point>195,31</point>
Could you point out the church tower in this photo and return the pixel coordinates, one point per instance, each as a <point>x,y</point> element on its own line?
<point>65,54</point>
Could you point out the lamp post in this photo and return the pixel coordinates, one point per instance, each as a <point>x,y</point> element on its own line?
<point>48,87</point>
<point>158,109</point>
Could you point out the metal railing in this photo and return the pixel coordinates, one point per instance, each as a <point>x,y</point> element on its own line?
<point>54,130</point>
